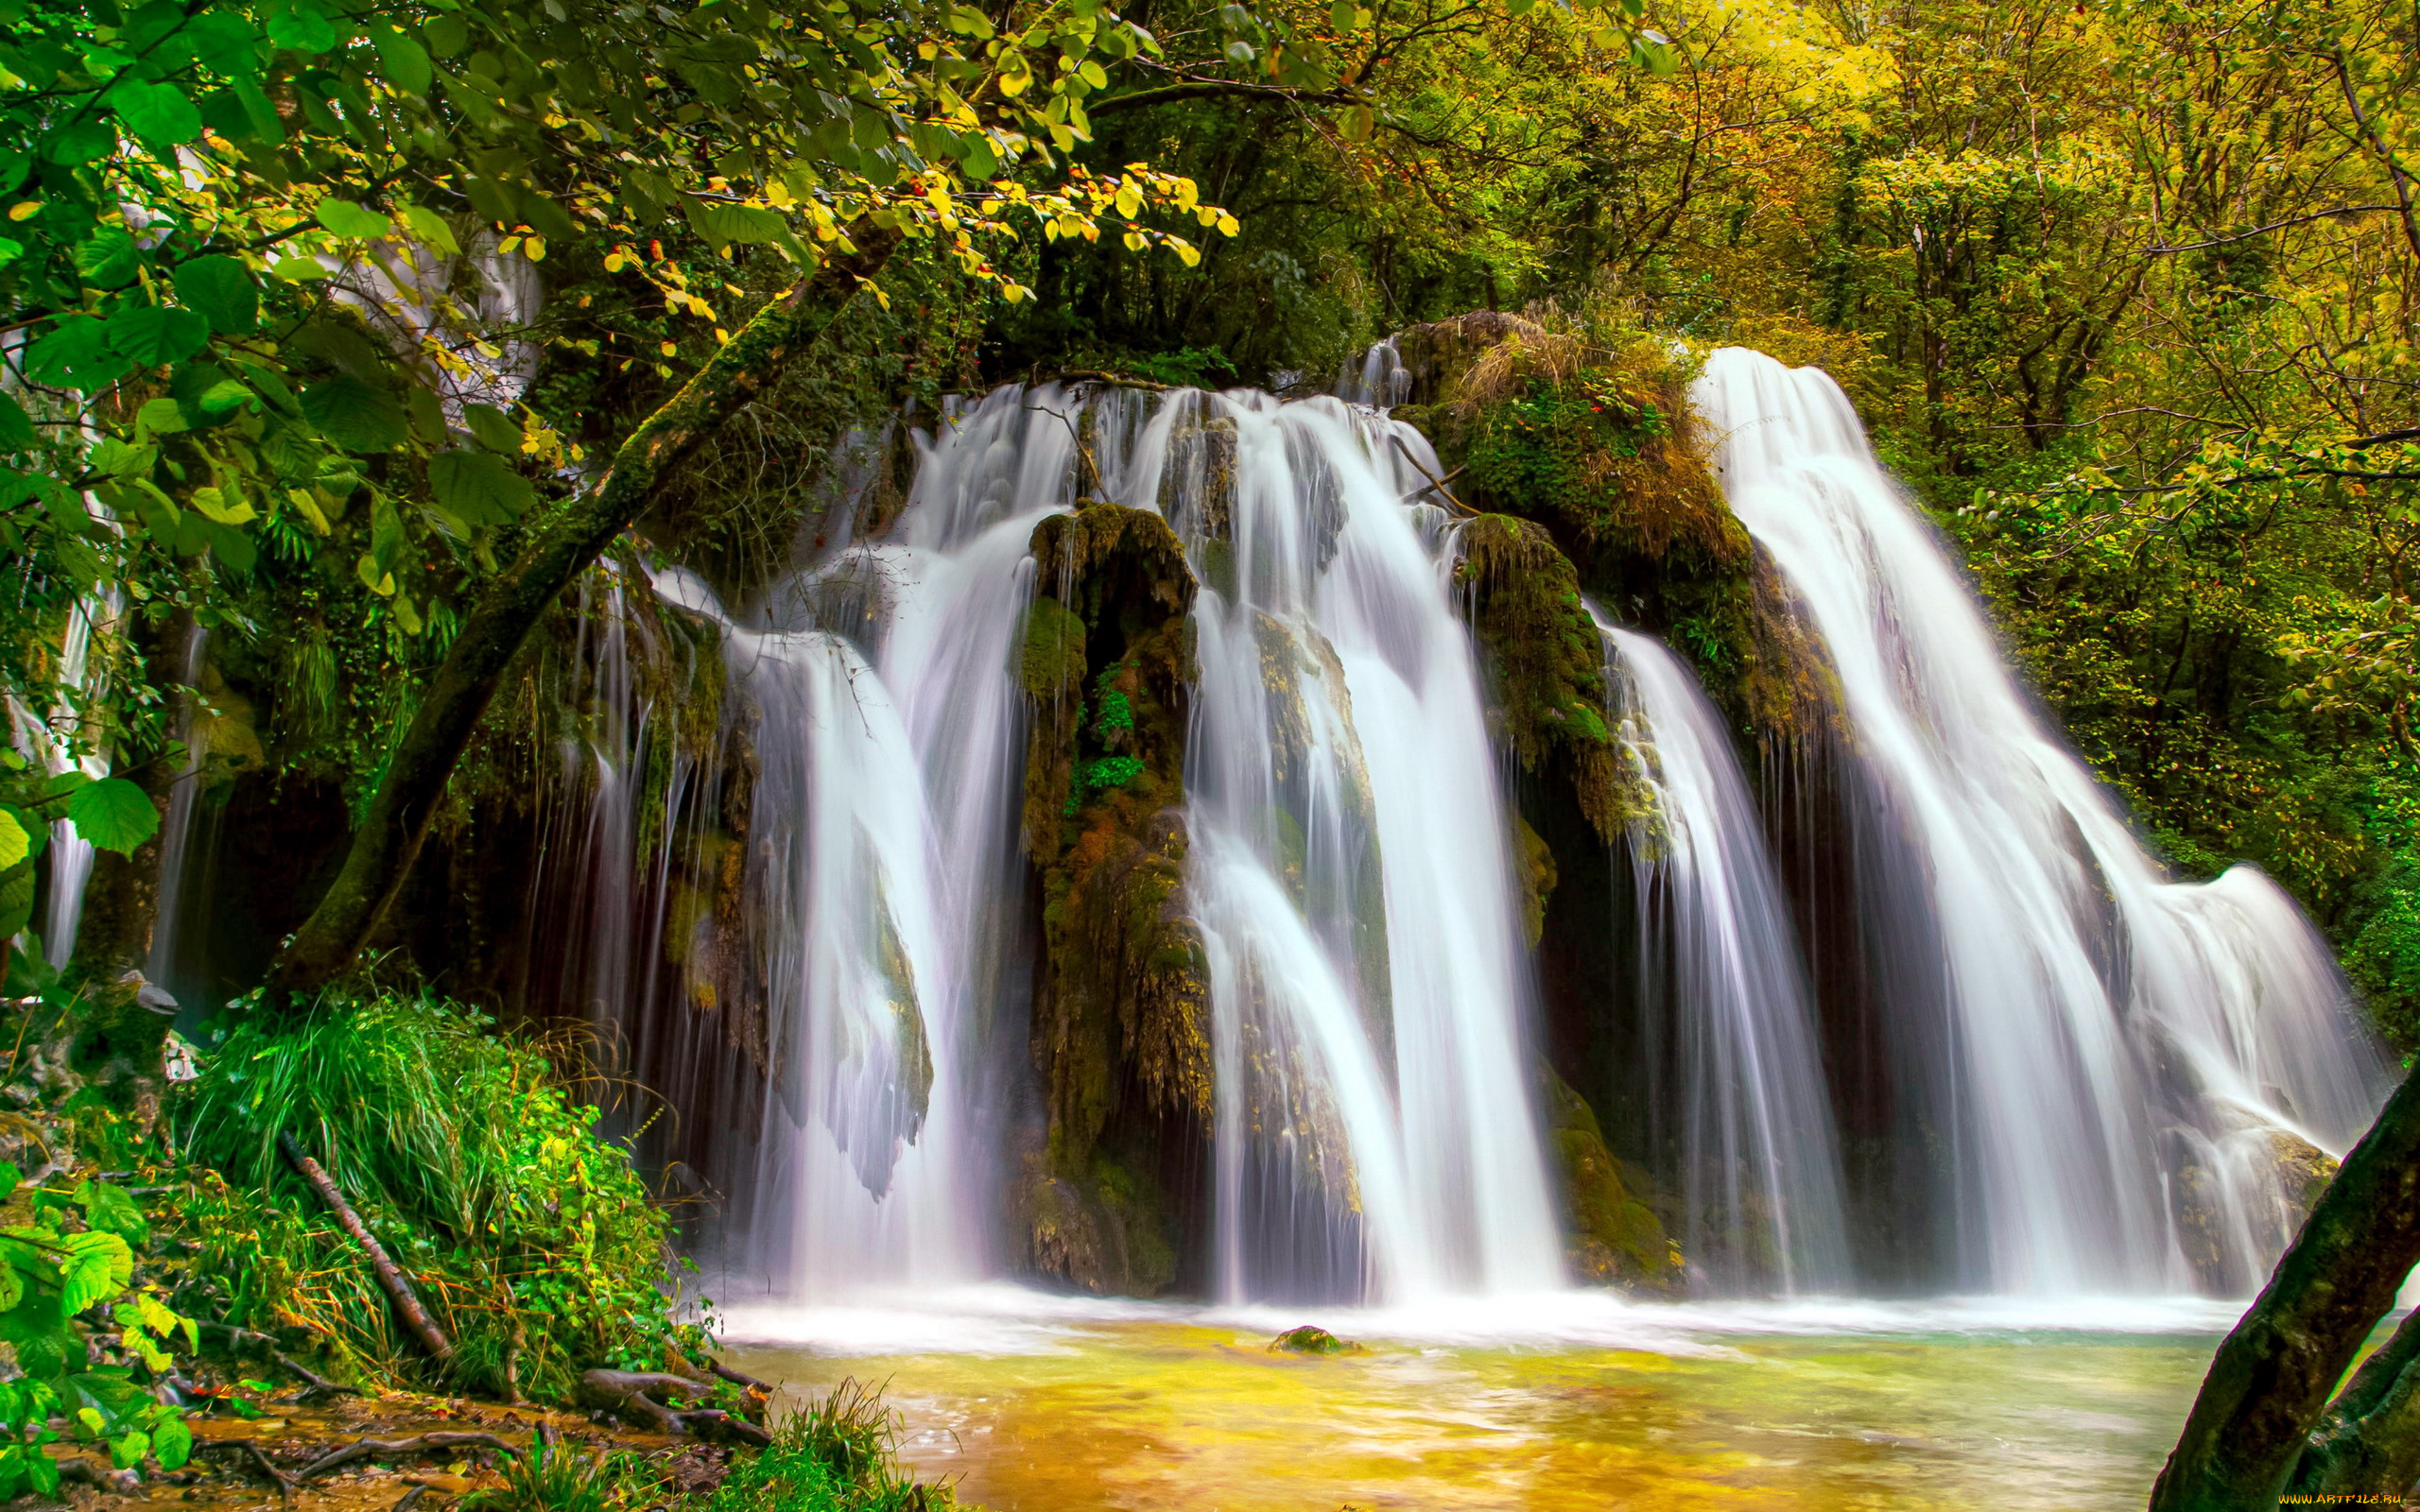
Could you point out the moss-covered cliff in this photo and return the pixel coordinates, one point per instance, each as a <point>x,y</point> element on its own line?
<point>1120,1031</point>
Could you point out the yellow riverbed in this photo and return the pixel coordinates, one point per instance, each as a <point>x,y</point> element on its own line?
<point>1043,1407</point>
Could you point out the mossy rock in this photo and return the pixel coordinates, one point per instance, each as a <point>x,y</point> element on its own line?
<point>1546,664</point>
<point>1309,1339</point>
<point>1104,1231</point>
<point>1617,1240</point>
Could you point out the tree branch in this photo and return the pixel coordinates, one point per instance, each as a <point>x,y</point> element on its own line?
<point>1197,89</point>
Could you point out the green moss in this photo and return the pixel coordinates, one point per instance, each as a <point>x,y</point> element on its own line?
<point>1545,662</point>
<point>1308,1339</point>
<point>1617,1238</point>
<point>1052,663</point>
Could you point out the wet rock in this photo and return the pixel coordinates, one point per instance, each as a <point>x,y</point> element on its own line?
<point>1309,1339</point>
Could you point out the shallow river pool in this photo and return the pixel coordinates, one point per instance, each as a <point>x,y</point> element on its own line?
<point>1034,1404</point>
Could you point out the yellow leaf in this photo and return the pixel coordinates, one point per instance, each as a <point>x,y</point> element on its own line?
<point>309,508</point>
<point>217,505</point>
<point>1129,201</point>
<point>24,208</point>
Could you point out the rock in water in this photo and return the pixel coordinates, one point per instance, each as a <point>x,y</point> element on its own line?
<point>1310,1340</point>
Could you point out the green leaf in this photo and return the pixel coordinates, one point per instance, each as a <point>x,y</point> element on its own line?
<point>405,60</point>
<point>41,1470</point>
<point>16,899</point>
<point>128,1451</point>
<point>110,1209</point>
<point>78,354</point>
<point>113,814</point>
<point>231,546</point>
<point>221,291</point>
<point>171,1442</point>
<point>95,1266</point>
<point>481,489</point>
<point>16,426</point>
<point>160,417</point>
<point>1354,125</point>
<point>10,1179</point>
<point>16,846</point>
<point>493,428</point>
<point>13,1287</point>
<point>120,461</point>
<point>722,225</point>
<point>79,143</point>
<point>37,840</point>
<point>346,218</point>
<point>431,228</point>
<point>154,335</point>
<point>302,28</point>
<point>107,259</point>
<point>356,416</point>
<point>158,114</point>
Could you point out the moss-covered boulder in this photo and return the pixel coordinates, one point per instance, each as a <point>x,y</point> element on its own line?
<point>1616,1240</point>
<point>1312,1340</point>
<point>1121,1032</point>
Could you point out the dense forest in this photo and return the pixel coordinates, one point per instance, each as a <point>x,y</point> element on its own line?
<point>364,363</point>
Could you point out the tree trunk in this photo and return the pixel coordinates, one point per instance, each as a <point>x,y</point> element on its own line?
<point>2265,1390</point>
<point>2369,1439</point>
<point>389,837</point>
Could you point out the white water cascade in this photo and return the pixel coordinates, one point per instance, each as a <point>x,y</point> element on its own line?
<point>1375,1130</point>
<point>889,744</point>
<point>2123,1052</point>
<point>1719,955</point>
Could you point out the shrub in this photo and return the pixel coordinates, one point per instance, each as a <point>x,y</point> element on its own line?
<point>534,1243</point>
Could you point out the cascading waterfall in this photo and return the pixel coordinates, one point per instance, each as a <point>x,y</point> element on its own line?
<point>2122,1053</point>
<point>1348,866</point>
<point>1718,955</point>
<point>890,745</point>
<point>2113,1064</point>
<point>1375,1131</point>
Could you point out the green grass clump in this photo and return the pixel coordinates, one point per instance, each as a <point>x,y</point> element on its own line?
<point>533,1242</point>
<point>837,1456</point>
<point>551,1478</point>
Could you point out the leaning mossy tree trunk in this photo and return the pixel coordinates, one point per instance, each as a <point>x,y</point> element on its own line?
<point>390,834</point>
<point>2250,1435</point>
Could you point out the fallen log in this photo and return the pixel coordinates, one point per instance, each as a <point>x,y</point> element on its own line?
<point>739,1378</point>
<point>627,1392</point>
<point>391,1448</point>
<point>406,1301</point>
<point>261,1462</point>
<point>86,1471</point>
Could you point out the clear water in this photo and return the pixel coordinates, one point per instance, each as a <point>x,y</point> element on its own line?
<point>1042,1405</point>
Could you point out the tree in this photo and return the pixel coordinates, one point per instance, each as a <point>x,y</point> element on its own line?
<point>2250,1432</point>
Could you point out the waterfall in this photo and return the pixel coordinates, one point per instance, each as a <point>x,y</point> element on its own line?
<point>2123,1059</point>
<point>1348,866</point>
<point>1350,872</point>
<point>1719,958</point>
<point>175,832</point>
